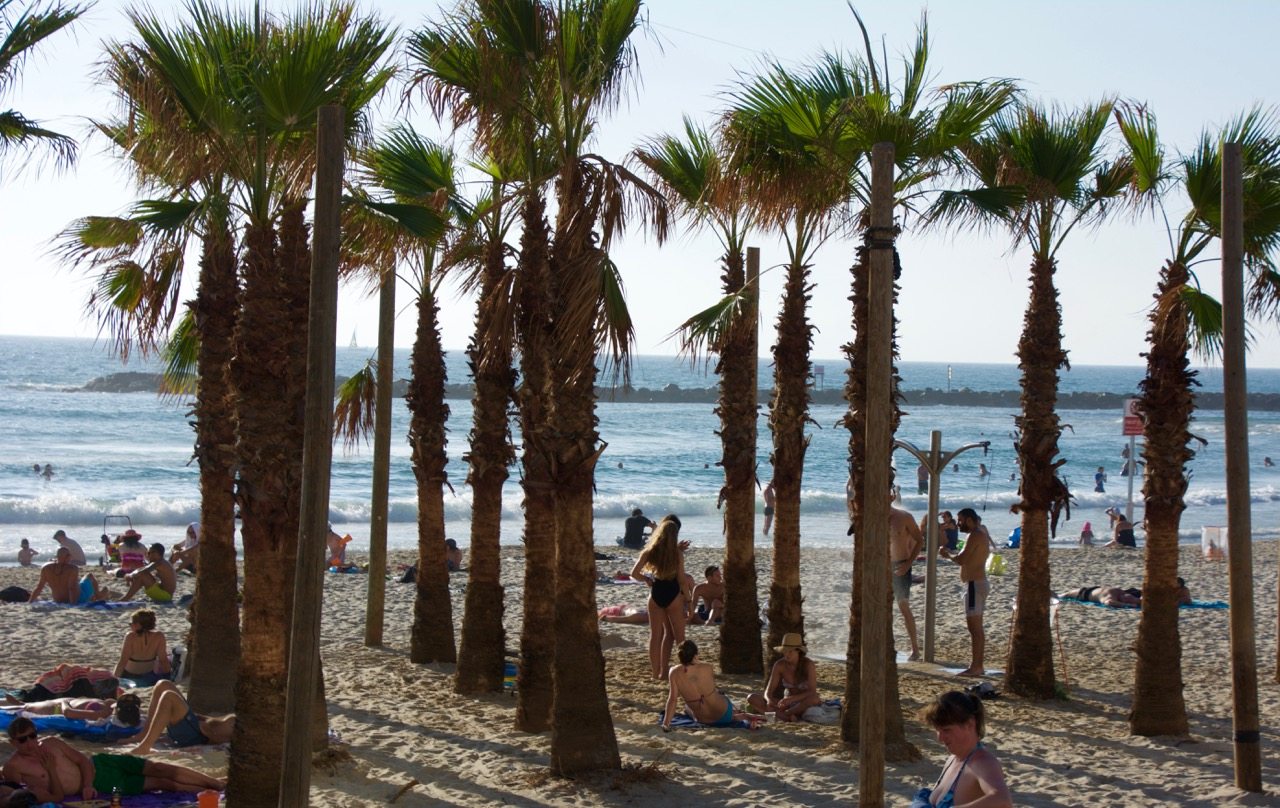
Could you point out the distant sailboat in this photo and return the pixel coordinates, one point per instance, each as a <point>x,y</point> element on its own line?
<point>353,344</point>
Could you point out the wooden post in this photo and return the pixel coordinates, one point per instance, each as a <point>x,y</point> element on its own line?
<point>875,583</point>
<point>317,454</point>
<point>931,543</point>
<point>1244,672</point>
<point>381,460</point>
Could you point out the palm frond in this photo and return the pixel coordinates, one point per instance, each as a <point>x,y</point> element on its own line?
<point>353,414</point>
<point>1204,318</point>
<point>180,353</point>
<point>616,330</point>
<point>704,332</point>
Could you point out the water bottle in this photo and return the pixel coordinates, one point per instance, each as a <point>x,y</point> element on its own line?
<point>115,798</point>
<point>175,663</point>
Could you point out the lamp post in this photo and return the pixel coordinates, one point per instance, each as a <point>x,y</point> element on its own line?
<point>935,461</point>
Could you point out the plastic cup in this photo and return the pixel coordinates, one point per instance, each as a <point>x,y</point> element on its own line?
<point>207,799</point>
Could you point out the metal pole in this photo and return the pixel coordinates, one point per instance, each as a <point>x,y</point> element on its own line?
<point>317,454</point>
<point>875,586</point>
<point>1132,468</point>
<point>931,542</point>
<point>1244,673</point>
<point>377,586</point>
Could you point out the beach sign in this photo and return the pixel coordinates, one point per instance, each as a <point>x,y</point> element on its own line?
<point>1132,420</point>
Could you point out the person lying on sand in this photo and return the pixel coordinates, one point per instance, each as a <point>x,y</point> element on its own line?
<point>55,771</point>
<point>793,683</point>
<point>157,578</point>
<point>695,682</point>
<point>1118,598</point>
<point>127,709</point>
<point>170,713</point>
<point>634,615</point>
<point>65,584</point>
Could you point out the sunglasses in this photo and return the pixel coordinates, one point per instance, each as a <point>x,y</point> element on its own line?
<point>30,736</point>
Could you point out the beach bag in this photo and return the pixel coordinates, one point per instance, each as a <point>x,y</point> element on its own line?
<point>14,594</point>
<point>995,564</point>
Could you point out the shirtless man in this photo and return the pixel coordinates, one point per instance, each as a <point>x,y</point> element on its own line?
<point>973,574</point>
<point>72,546</point>
<point>157,578</point>
<point>1112,596</point>
<point>54,771</point>
<point>711,594</point>
<point>65,584</point>
<point>769,498</point>
<point>170,713</point>
<point>905,543</point>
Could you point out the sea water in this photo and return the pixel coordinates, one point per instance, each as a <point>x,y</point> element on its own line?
<point>121,458</point>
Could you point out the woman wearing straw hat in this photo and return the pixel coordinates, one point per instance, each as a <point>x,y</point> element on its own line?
<point>793,682</point>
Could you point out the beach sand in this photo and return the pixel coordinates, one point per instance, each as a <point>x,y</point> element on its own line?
<point>402,722</point>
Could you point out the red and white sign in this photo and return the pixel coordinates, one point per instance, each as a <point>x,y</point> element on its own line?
<point>1132,420</point>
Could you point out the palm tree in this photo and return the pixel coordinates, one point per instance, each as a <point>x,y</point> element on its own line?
<point>483,65</point>
<point>143,255</point>
<point>1039,173</point>
<point>1184,318</point>
<point>251,86</point>
<point>23,28</point>
<point>692,172</point>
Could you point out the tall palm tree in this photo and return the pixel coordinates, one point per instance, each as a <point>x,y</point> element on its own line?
<point>483,66</point>
<point>693,173</point>
<point>251,86</point>
<point>24,26</point>
<point>143,254</point>
<point>1183,318</point>
<point>1040,173</point>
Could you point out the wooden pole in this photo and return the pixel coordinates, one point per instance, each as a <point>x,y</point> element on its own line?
<point>1244,673</point>
<point>317,454</point>
<point>931,543</point>
<point>381,461</point>
<point>875,584</point>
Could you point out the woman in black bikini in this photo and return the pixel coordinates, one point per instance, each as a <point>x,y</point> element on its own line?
<point>144,658</point>
<point>971,772</point>
<point>663,559</point>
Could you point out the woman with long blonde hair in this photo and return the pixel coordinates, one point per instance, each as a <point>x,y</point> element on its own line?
<point>661,565</point>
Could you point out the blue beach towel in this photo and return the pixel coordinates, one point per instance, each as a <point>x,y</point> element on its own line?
<point>1195,604</point>
<point>104,731</point>
<point>683,721</point>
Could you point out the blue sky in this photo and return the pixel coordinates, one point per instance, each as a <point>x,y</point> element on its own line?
<point>962,296</point>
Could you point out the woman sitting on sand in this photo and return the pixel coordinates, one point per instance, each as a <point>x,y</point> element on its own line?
<point>971,773</point>
<point>793,683</point>
<point>695,682</point>
<point>144,658</point>
<point>1122,530</point>
<point>663,558</point>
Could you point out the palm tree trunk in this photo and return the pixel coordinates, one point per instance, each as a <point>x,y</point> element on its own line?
<point>215,620</point>
<point>1040,355</point>
<point>534,682</point>
<point>1166,405</point>
<point>268,380</point>
<point>481,658</point>
<point>897,747</point>
<point>740,650</point>
<point>582,736</point>
<point>788,416</point>
<point>431,638</point>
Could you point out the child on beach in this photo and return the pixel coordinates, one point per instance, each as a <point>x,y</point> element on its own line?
<point>25,553</point>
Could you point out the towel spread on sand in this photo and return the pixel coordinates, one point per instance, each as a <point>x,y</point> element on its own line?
<point>683,721</point>
<point>1195,604</point>
<point>103,730</point>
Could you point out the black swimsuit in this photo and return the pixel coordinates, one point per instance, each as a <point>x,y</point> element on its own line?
<point>664,591</point>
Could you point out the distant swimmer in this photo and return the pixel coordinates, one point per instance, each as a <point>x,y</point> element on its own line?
<point>47,474</point>
<point>769,498</point>
<point>922,479</point>
<point>982,471</point>
<point>1266,461</point>
<point>1100,480</point>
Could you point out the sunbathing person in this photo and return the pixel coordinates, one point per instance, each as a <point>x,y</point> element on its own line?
<point>55,771</point>
<point>144,657</point>
<point>695,682</point>
<point>170,713</point>
<point>634,615</point>
<point>127,709</point>
<point>157,578</point>
<point>793,683</point>
<point>1112,596</point>
<point>65,584</point>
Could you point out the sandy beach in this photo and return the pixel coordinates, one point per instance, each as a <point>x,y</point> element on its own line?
<point>401,722</point>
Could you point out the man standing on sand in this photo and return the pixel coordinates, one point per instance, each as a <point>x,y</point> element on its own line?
<point>157,578</point>
<point>65,584</point>
<point>72,546</point>
<point>905,543</point>
<point>54,771</point>
<point>769,498</point>
<point>973,574</point>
